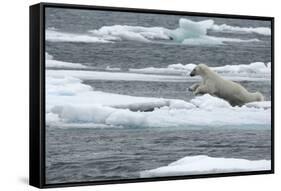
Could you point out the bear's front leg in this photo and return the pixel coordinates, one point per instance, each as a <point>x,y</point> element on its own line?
<point>203,89</point>
<point>193,87</point>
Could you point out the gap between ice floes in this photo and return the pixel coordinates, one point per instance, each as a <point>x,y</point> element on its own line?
<point>255,71</point>
<point>130,76</point>
<point>51,63</point>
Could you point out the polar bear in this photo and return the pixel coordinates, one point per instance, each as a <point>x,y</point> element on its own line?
<point>215,85</point>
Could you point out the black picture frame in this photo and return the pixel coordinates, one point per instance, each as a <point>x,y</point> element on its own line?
<point>37,94</point>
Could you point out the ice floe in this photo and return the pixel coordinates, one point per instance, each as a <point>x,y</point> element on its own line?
<point>255,70</point>
<point>58,36</point>
<point>188,32</point>
<point>69,101</point>
<point>51,63</point>
<point>202,164</point>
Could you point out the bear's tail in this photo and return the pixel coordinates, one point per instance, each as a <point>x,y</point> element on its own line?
<point>258,96</point>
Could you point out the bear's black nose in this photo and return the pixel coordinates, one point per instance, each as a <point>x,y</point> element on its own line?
<point>192,74</point>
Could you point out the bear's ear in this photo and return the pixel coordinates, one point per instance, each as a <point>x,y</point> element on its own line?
<point>202,67</point>
<point>199,66</point>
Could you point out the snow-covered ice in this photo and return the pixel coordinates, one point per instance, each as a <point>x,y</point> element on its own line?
<point>266,31</point>
<point>202,164</point>
<point>51,63</point>
<point>188,32</point>
<point>57,36</point>
<point>255,70</point>
<point>70,101</point>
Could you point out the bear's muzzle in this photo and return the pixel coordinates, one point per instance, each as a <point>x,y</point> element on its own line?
<point>192,73</point>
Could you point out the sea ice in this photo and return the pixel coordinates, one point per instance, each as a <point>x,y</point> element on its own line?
<point>202,164</point>
<point>70,101</point>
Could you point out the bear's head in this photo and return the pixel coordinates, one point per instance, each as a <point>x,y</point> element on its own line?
<point>200,69</point>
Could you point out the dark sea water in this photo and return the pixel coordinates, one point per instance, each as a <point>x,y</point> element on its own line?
<point>98,154</point>
<point>90,154</point>
<point>172,90</point>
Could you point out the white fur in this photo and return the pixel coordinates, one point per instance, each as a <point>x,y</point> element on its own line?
<point>215,85</point>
